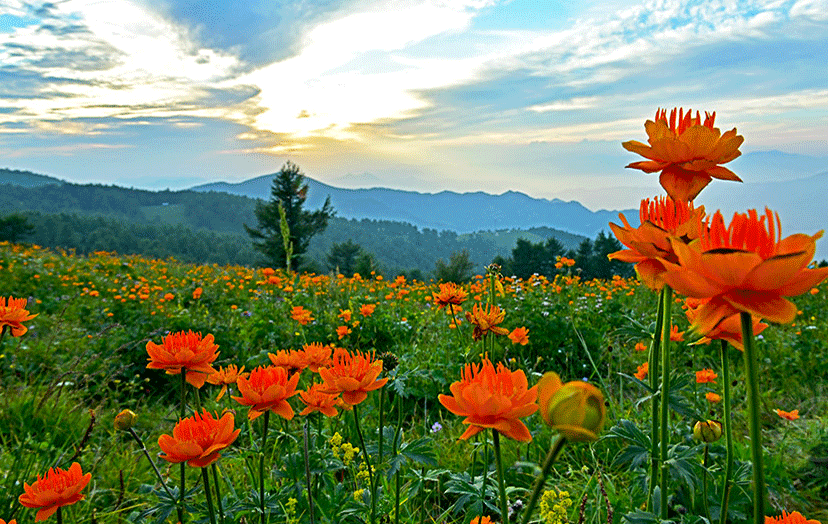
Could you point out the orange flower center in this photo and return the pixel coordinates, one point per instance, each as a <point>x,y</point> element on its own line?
<point>200,428</point>
<point>685,120</point>
<point>665,213</point>
<point>746,232</point>
<point>56,480</point>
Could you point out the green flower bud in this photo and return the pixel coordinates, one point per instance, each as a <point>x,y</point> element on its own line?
<point>708,431</point>
<point>575,409</point>
<point>124,420</point>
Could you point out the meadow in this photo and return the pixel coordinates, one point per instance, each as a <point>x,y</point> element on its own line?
<point>84,359</point>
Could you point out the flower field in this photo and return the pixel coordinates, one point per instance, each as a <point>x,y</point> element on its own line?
<point>140,390</point>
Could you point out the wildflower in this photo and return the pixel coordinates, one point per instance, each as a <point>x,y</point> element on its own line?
<point>641,346</point>
<point>315,355</point>
<point>648,245</point>
<point>343,331</point>
<point>301,315</point>
<point>124,420</point>
<point>345,315</point>
<point>745,267</point>
<point>168,296</point>
<point>349,451</point>
<point>575,409</point>
<point>713,398</point>
<point>436,427</point>
<point>317,401</point>
<point>13,313</point>
<point>267,388</point>
<point>198,439</point>
<point>788,415</point>
<point>224,377</point>
<point>290,360</point>
<point>366,310</point>
<point>728,329</point>
<point>485,320</point>
<point>676,335</point>
<point>492,398</point>
<point>197,293</point>
<point>449,293</point>
<point>706,376</point>
<point>187,351</point>
<point>358,494</point>
<point>790,518</point>
<point>707,431</point>
<point>57,489</point>
<point>641,372</point>
<point>481,520</point>
<point>353,375</point>
<point>688,152</point>
<point>12,521</point>
<point>554,506</point>
<point>519,336</point>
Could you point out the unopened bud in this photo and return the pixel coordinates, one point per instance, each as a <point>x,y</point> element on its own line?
<point>124,420</point>
<point>708,431</point>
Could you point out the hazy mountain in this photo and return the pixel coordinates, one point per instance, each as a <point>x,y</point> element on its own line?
<point>26,178</point>
<point>446,210</point>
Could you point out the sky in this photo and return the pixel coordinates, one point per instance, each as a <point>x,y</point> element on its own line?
<point>426,95</point>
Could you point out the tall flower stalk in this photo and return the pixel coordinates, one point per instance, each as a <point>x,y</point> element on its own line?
<point>664,423</point>
<point>754,425</point>
<point>728,474</point>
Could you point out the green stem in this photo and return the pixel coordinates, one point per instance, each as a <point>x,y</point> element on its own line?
<point>485,469</point>
<point>307,471</point>
<point>398,400</point>
<point>60,515</point>
<point>368,462</point>
<point>752,384</point>
<point>152,463</point>
<point>262,466</point>
<point>504,507</point>
<point>704,482</point>
<point>728,476</point>
<point>218,491</point>
<point>554,451</point>
<point>380,439</point>
<point>652,365</point>
<point>667,297</point>
<point>182,413</point>
<point>206,479</point>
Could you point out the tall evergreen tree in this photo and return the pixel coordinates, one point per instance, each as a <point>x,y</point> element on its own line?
<point>289,190</point>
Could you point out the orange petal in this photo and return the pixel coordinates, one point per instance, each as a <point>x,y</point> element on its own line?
<point>769,306</point>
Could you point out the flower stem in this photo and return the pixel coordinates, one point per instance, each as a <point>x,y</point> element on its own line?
<point>704,481</point>
<point>554,451</point>
<point>728,478</point>
<point>667,298</point>
<point>652,365</point>
<point>504,507</point>
<point>370,469</point>
<point>398,400</point>
<point>206,479</point>
<point>262,466</point>
<point>752,379</point>
<point>307,470</point>
<point>218,491</point>
<point>152,463</point>
<point>60,515</point>
<point>380,439</point>
<point>182,413</point>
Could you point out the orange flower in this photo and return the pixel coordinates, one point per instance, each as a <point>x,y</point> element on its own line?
<point>168,296</point>
<point>788,415</point>
<point>676,335</point>
<point>301,315</point>
<point>353,375</point>
<point>713,398</point>
<point>745,267</point>
<point>197,293</point>
<point>315,355</point>
<point>288,359</point>
<point>641,372</point>
<point>366,310</point>
<point>316,400</point>
<point>649,244</point>
<point>345,315</point>
<point>641,346</point>
<point>575,409</point>
<point>13,313</point>
<point>519,336</point>
<point>267,388</point>
<point>226,376</point>
<point>706,376</point>
<point>59,488</point>
<point>198,439</point>
<point>688,153</point>
<point>12,521</point>
<point>485,320</point>
<point>184,351</point>
<point>449,293</point>
<point>492,398</point>
<point>485,520</point>
<point>790,518</point>
<point>728,329</point>
<point>343,331</point>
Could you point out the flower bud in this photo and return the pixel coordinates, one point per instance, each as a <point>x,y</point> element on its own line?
<point>575,409</point>
<point>708,431</point>
<point>124,420</point>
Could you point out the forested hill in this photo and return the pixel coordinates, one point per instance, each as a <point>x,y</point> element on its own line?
<point>208,227</point>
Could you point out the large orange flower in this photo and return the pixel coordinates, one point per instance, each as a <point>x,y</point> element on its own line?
<point>316,400</point>
<point>687,152</point>
<point>198,440</point>
<point>492,398</point>
<point>267,388</point>
<point>186,351</point>
<point>226,376</point>
<point>790,518</point>
<point>58,488</point>
<point>289,359</point>
<point>13,313</point>
<point>486,320</point>
<point>449,294</point>
<point>315,356</point>
<point>649,243</point>
<point>353,375</point>
<point>745,267</point>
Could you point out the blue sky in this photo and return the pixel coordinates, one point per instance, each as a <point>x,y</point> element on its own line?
<point>465,95</point>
